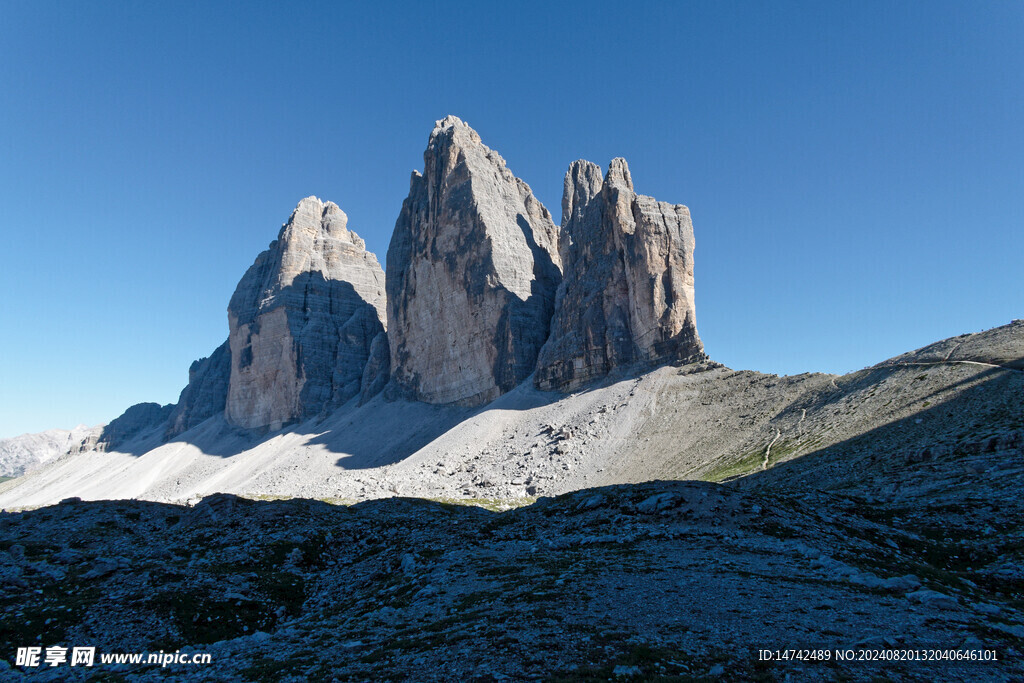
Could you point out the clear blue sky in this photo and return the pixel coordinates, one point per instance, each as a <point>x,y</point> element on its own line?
<point>855,170</point>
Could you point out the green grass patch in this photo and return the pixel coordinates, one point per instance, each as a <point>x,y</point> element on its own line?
<point>746,464</point>
<point>492,504</point>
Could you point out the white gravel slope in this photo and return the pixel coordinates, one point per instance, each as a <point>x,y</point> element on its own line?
<point>690,422</point>
<point>525,443</point>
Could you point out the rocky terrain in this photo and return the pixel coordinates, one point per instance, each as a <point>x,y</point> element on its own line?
<point>472,270</point>
<point>511,458</point>
<point>22,454</point>
<point>871,512</point>
<point>656,581</point>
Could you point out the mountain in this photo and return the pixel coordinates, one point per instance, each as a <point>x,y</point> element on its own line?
<point>473,266</point>
<point>545,389</point>
<point>627,296</point>
<point>22,454</point>
<point>305,334</point>
<point>302,321</point>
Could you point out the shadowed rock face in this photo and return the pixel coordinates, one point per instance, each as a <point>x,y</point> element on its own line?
<point>302,321</point>
<point>472,271</point>
<point>132,422</point>
<point>627,293</point>
<point>206,392</point>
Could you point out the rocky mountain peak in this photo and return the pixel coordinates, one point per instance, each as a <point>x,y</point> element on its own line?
<point>316,239</point>
<point>618,174</point>
<point>583,181</point>
<point>302,320</point>
<point>472,270</point>
<point>627,292</point>
<point>452,126</point>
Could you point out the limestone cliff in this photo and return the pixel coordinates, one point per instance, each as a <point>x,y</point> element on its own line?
<point>472,270</point>
<point>627,294</point>
<point>302,321</point>
<point>206,393</point>
<point>138,419</point>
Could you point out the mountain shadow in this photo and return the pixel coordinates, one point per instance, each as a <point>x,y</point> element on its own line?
<point>331,329</point>
<point>971,442</point>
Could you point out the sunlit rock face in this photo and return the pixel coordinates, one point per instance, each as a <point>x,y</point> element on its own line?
<point>302,321</point>
<point>472,271</point>
<point>627,293</point>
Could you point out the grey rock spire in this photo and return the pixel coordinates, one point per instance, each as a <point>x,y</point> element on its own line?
<point>627,294</point>
<point>472,271</point>
<point>302,321</point>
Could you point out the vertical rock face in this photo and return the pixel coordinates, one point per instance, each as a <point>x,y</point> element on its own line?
<point>132,422</point>
<point>302,321</point>
<point>627,294</point>
<point>378,368</point>
<point>206,393</point>
<point>472,271</point>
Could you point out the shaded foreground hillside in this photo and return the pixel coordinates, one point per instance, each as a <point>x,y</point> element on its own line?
<point>878,511</point>
<point>669,581</point>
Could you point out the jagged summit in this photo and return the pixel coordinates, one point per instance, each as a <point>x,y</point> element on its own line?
<point>582,182</point>
<point>302,320</point>
<point>618,174</point>
<point>315,239</point>
<point>450,121</point>
<point>627,294</point>
<point>451,125</point>
<point>471,275</point>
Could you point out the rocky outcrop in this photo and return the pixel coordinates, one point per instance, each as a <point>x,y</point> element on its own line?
<point>22,454</point>
<point>378,368</point>
<point>627,293</point>
<point>302,321</point>
<point>138,419</point>
<point>1000,346</point>
<point>472,271</point>
<point>206,393</point>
